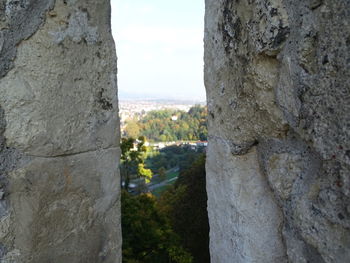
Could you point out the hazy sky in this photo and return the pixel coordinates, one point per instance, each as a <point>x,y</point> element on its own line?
<point>160,48</point>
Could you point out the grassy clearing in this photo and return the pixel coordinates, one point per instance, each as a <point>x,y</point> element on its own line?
<point>169,176</point>
<point>172,175</point>
<point>158,191</point>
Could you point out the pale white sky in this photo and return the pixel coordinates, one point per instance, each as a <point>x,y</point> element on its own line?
<point>160,48</point>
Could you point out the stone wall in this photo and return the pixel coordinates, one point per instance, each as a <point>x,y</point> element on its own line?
<point>59,181</point>
<point>278,178</point>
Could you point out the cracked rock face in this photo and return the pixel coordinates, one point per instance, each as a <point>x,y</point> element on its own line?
<point>278,166</point>
<point>59,183</point>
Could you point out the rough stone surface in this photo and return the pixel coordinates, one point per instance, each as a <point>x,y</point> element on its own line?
<point>278,165</point>
<point>249,210</point>
<point>59,180</point>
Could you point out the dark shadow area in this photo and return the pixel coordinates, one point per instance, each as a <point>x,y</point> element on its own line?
<point>164,199</point>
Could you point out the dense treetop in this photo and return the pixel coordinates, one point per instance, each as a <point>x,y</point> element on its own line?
<point>147,234</point>
<point>185,204</point>
<point>173,228</point>
<point>170,125</point>
<point>173,156</point>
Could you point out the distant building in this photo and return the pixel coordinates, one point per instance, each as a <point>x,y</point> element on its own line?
<point>161,145</point>
<point>174,118</point>
<point>202,143</point>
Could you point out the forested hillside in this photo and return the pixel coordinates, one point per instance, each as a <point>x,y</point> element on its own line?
<point>173,228</point>
<point>170,125</point>
<point>165,219</point>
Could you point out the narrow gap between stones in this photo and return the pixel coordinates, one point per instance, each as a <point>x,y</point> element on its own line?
<point>163,130</point>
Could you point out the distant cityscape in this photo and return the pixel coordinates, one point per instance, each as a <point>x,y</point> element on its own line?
<point>134,108</point>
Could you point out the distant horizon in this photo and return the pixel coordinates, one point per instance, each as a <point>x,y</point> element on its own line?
<point>162,99</point>
<point>160,48</point>
<point>149,97</point>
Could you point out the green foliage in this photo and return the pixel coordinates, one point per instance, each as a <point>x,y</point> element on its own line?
<point>132,129</point>
<point>186,206</point>
<point>173,228</point>
<point>172,156</point>
<point>132,160</point>
<point>147,235</point>
<point>143,172</point>
<point>162,173</point>
<point>159,126</point>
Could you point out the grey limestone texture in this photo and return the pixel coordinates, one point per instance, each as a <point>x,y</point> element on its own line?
<point>278,166</point>
<point>59,133</point>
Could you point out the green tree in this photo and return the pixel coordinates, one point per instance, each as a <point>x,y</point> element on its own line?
<point>158,125</point>
<point>132,129</point>
<point>132,160</point>
<point>147,235</point>
<point>186,206</point>
<point>173,156</point>
<point>143,172</point>
<point>162,173</point>
<point>162,138</point>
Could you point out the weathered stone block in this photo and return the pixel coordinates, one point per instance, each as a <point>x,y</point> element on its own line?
<point>59,133</point>
<point>245,220</point>
<point>277,80</point>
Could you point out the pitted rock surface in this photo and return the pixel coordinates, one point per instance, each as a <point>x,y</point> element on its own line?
<point>59,139</point>
<point>277,81</point>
